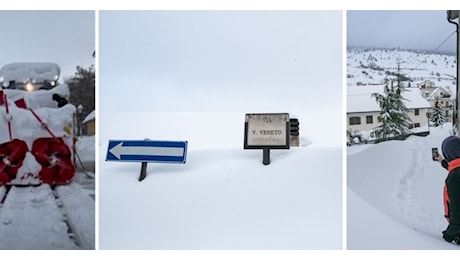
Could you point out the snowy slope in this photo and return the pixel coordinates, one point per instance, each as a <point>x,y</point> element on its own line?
<point>371,66</point>
<point>223,197</point>
<point>395,191</point>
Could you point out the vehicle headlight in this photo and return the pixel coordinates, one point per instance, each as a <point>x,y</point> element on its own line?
<point>29,87</point>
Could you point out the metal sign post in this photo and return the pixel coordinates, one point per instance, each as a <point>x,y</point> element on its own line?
<point>143,171</point>
<point>266,156</point>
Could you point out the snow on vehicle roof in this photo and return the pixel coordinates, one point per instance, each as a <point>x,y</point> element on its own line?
<point>35,71</point>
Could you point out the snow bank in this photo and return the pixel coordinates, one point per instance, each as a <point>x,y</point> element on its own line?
<point>223,197</point>
<point>85,147</point>
<point>399,180</point>
<point>82,221</point>
<point>211,130</point>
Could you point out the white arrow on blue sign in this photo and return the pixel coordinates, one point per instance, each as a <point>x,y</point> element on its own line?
<point>147,151</point>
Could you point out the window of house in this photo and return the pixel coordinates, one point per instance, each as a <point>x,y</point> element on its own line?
<point>414,125</point>
<point>355,120</point>
<point>417,111</point>
<point>369,120</point>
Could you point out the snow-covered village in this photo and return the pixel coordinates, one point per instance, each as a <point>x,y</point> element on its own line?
<point>427,80</point>
<point>408,190</point>
<point>401,106</point>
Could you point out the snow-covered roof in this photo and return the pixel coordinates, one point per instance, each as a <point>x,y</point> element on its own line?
<point>24,71</point>
<point>89,117</point>
<point>359,98</point>
<point>434,93</point>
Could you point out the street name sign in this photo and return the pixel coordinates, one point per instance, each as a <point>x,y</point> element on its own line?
<point>267,131</point>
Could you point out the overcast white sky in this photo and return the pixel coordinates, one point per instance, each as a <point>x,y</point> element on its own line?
<point>422,29</point>
<point>219,60</point>
<point>64,37</point>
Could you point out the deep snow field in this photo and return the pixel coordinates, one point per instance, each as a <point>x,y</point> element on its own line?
<point>223,197</point>
<point>394,194</point>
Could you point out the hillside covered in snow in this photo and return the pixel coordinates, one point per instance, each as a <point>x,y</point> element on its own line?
<point>373,66</point>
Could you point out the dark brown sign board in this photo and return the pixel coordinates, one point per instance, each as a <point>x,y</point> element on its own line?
<point>266,131</point>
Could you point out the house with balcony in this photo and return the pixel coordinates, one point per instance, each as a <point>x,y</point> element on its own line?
<point>444,97</point>
<point>363,110</point>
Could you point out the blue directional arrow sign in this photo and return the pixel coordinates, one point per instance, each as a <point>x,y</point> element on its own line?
<point>147,151</point>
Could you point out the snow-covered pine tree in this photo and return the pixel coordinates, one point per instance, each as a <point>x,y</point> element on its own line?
<point>437,117</point>
<point>394,119</point>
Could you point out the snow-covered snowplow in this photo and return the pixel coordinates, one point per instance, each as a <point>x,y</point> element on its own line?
<point>36,126</point>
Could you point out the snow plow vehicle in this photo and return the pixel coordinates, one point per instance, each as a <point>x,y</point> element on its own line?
<point>37,142</point>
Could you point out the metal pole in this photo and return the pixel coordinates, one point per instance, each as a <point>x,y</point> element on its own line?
<point>266,156</point>
<point>143,171</point>
<point>79,123</point>
<point>451,15</point>
<point>458,73</point>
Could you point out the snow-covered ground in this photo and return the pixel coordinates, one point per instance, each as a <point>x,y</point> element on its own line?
<point>394,195</point>
<point>31,218</point>
<point>44,217</point>
<point>201,74</point>
<point>394,189</point>
<point>223,197</point>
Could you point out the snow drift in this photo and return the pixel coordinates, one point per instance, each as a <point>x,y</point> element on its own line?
<point>223,197</point>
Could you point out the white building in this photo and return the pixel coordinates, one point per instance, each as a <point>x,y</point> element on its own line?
<point>363,109</point>
<point>444,98</point>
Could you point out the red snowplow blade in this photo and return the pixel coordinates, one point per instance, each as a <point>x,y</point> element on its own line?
<point>12,155</point>
<point>54,156</point>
